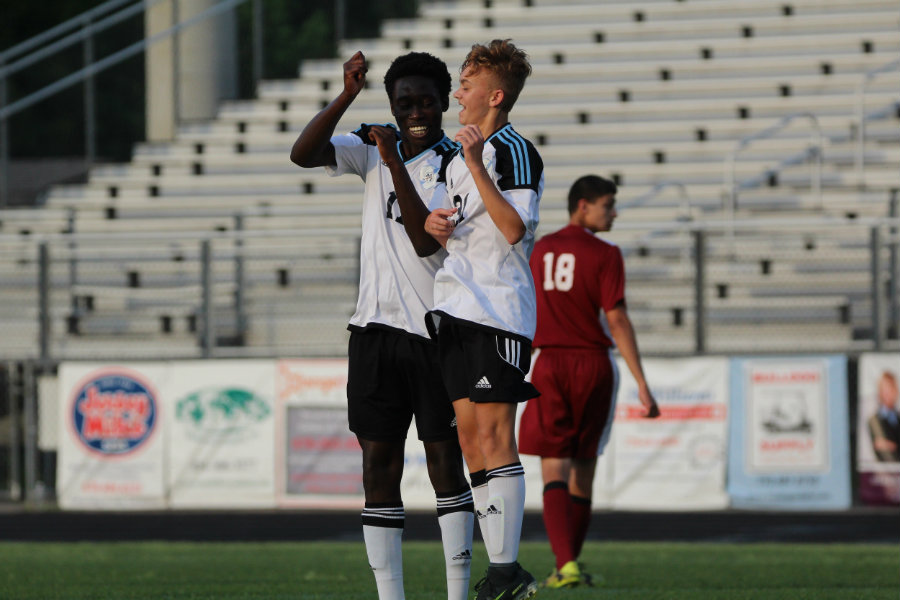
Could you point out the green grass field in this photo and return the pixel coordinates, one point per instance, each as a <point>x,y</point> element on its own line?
<point>332,570</point>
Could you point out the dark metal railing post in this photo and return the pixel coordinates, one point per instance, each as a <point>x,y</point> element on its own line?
<point>29,407</point>
<point>241,317</point>
<point>44,301</point>
<point>206,283</point>
<point>699,286</point>
<point>15,439</point>
<point>258,56</point>
<point>894,261</point>
<point>90,119</point>
<point>4,143</point>
<point>877,329</point>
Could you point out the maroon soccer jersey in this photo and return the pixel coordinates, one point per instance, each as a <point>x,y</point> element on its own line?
<point>577,277</point>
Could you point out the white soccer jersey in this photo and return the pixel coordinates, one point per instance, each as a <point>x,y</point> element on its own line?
<point>484,280</point>
<point>396,286</point>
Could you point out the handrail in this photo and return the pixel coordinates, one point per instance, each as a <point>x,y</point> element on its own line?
<point>859,158</point>
<point>768,223</point>
<point>730,190</point>
<point>56,30</point>
<point>88,29</point>
<point>660,187</point>
<point>112,59</point>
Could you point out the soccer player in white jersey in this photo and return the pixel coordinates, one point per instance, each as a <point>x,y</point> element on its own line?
<point>394,372</point>
<point>485,308</point>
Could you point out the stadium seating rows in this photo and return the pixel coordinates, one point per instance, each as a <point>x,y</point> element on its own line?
<point>656,94</point>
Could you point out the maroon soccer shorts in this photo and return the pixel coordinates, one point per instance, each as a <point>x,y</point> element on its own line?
<point>575,408</point>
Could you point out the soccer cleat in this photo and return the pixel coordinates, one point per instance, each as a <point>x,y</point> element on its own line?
<point>493,586</point>
<point>587,579</point>
<point>567,576</point>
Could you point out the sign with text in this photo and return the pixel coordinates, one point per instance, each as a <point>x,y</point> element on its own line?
<point>110,440</point>
<point>221,426</point>
<point>677,461</point>
<point>319,460</point>
<point>788,433</point>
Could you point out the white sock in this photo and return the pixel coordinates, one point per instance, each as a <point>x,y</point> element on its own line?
<point>506,507</point>
<point>456,534</point>
<point>383,538</point>
<point>480,495</point>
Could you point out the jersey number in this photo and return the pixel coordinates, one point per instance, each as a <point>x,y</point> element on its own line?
<point>561,275</point>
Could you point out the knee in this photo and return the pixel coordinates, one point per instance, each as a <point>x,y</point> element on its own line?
<point>445,465</point>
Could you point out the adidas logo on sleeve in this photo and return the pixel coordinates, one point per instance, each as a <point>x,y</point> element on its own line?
<point>483,384</point>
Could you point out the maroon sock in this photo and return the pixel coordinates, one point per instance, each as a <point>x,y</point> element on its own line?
<point>556,521</point>
<point>580,518</point>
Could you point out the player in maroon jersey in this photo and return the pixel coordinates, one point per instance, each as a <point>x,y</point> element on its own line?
<point>581,317</point>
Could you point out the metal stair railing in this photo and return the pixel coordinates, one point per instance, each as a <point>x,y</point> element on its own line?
<point>861,118</point>
<point>87,28</point>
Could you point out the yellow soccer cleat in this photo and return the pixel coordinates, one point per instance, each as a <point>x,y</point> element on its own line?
<point>567,576</point>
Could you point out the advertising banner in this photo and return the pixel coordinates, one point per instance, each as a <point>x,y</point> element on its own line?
<point>319,461</point>
<point>675,462</point>
<point>221,427</point>
<point>788,432</point>
<point>110,438</point>
<point>878,428</point>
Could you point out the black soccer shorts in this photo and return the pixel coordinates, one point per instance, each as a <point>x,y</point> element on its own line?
<point>392,377</point>
<point>483,364</point>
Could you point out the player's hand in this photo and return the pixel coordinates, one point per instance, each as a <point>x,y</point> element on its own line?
<point>473,144</point>
<point>648,402</point>
<point>440,224</point>
<point>355,74</point>
<point>386,140</point>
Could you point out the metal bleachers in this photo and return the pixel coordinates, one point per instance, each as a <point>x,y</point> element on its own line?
<point>656,94</point>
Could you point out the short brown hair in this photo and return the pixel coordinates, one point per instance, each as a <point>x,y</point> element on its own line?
<point>508,63</point>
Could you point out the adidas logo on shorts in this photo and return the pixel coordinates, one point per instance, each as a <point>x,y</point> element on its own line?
<point>483,384</point>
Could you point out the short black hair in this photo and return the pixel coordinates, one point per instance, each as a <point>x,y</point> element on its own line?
<point>589,187</point>
<point>421,64</point>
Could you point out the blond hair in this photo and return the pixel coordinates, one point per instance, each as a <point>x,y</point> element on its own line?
<point>508,64</point>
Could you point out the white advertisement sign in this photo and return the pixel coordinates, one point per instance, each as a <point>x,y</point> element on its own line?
<point>675,462</point>
<point>786,417</point>
<point>221,423</point>
<point>319,461</point>
<point>110,436</point>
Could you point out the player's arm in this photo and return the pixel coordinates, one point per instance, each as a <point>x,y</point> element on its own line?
<point>313,148</point>
<point>504,215</point>
<point>412,208</point>
<point>623,333</point>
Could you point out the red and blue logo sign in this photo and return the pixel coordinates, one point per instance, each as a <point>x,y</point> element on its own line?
<point>114,413</point>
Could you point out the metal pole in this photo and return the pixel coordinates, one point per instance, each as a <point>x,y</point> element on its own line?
<point>258,57</point>
<point>30,417</point>
<point>893,283</point>
<point>176,65</point>
<point>44,301</point>
<point>699,286</point>
<point>859,155</point>
<point>239,277</point>
<point>877,331</point>
<point>339,20</point>
<point>90,122</point>
<point>15,486</point>
<point>206,284</point>
<point>73,261</point>
<point>4,145</point>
